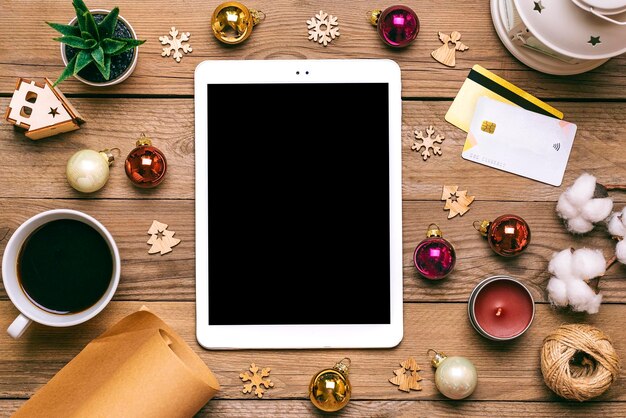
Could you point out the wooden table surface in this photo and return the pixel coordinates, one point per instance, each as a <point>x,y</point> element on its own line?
<point>158,100</point>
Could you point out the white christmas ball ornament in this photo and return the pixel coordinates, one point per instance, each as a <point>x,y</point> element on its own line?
<point>456,376</point>
<point>88,170</point>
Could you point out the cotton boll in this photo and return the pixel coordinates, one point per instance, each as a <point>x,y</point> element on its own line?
<point>582,190</point>
<point>579,225</point>
<point>588,263</point>
<point>561,265</point>
<point>579,208</point>
<point>557,292</point>
<point>582,297</point>
<point>597,210</point>
<point>565,208</point>
<point>616,224</point>
<point>620,251</point>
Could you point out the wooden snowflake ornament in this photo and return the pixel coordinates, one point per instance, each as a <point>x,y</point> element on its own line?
<point>457,202</point>
<point>175,44</point>
<point>428,142</point>
<point>256,379</point>
<point>406,377</point>
<point>323,28</point>
<point>161,239</point>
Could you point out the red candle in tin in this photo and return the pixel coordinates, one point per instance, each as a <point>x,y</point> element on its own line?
<point>501,308</point>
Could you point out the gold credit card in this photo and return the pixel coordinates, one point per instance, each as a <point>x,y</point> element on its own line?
<point>482,82</point>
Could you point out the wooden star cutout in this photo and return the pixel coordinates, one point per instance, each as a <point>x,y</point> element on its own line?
<point>53,111</point>
<point>456,201</point>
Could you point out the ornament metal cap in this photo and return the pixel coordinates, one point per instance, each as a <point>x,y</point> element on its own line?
<point>437,358</point>
<point>107,154</point>
<point>232,22</point>
<point>143,141</point>
<point>434,231</point>
<point>373,16</point>
<point>343,367</point>
<point>482,227</point>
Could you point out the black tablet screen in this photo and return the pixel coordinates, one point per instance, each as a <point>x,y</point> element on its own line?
<point>298,193</point>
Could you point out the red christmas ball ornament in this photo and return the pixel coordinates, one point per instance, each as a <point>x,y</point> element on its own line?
<point>145,165</point>
<point>397,25</point>
<point>434,257</point>
<point>508,235</point>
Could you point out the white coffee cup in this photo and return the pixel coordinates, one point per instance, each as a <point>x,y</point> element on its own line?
<point>29,311</point>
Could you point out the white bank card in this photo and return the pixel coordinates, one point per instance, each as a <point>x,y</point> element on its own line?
<point>519,141</point>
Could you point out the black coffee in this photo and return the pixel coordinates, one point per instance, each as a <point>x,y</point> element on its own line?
<point>65,266</point>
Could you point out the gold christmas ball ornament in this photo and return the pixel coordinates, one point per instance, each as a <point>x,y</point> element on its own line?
<point>88,171</point>
<point>232,22</point>
<point>330,389</point>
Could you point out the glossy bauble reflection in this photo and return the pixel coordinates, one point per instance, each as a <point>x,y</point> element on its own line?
<point>397,25</point>
<point>434,257</point>
<point>232,22</point>
<point>88,171</point>
<point>508,235</point>
<point>145,165</point>
<point>330,389</point>
<point>456,376</point>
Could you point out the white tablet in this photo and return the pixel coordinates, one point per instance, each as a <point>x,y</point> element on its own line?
<point>298,204</point>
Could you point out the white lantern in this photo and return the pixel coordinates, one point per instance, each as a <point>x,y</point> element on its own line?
<point>561,37</point>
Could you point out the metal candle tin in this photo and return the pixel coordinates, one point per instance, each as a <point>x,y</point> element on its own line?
<point>517,295</point>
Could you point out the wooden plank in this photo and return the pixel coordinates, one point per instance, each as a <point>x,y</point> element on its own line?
<point>507,372</point>
<point>30,51</point>
<point>37,168</point>
<point>301,408</point>
<point>172,276</point>
<point>476,261</point>
<point>597,150</point>
<point>144,276</point>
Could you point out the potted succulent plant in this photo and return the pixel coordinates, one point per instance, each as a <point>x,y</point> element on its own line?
<point>98,47</point>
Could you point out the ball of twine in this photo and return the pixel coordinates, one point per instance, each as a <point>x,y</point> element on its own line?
<point>578,362</point>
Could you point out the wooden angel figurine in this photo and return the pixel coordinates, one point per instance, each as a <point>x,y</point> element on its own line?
<point>445,54</point>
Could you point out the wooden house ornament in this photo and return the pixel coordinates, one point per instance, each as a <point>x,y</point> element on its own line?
<point>41,110</point>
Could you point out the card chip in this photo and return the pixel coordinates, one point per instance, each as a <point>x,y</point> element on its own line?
<point>488,127</point>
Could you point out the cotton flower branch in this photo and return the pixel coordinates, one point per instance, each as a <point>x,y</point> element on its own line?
<point>571,272</point>
<point>584,204</point>
<point>616,225</point>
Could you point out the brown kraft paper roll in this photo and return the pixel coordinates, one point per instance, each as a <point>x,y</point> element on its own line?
<point>138,368</point>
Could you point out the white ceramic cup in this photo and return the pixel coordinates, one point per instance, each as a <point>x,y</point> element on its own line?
<point>30,312</point>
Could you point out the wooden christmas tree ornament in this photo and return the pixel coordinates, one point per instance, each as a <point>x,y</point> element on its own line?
<point>406,377</point>
<point>41,110</point>
<point>161,239</point>
<point>257,380</point>
<point>446,53</point>
<point>457,202</point>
